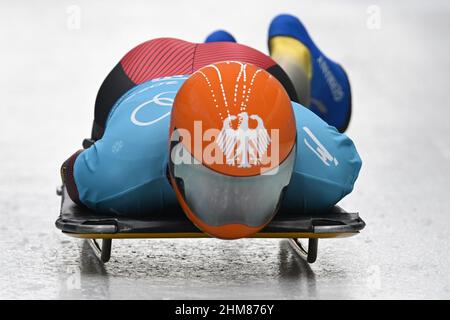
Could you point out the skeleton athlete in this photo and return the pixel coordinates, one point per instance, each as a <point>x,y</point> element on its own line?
<point>125,170</point>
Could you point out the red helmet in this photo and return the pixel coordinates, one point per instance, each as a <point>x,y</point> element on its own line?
<point>232,148</point>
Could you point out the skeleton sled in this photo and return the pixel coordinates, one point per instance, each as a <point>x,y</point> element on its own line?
<point>80,222</point>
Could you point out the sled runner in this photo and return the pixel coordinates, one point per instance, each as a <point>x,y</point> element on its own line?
<point>81,222</point>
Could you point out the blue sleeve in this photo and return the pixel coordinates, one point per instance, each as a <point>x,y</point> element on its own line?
<point>125,171</point>
<point>326,168</point>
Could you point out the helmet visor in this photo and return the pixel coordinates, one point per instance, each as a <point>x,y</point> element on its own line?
<point>218,199</point>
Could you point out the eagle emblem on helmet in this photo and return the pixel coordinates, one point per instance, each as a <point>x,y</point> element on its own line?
<point>243,146</point>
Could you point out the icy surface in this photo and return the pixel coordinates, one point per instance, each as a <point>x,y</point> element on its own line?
<point>51,71</point>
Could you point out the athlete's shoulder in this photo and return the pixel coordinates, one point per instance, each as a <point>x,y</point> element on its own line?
<point>305,115</point>
<point>155,97</point>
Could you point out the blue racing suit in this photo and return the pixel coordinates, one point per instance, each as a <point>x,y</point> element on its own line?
<point>125,171</point>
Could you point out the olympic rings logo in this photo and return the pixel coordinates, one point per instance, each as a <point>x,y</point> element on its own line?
<point>161,100</point>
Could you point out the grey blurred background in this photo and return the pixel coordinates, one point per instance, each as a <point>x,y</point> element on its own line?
<point>55,54</point>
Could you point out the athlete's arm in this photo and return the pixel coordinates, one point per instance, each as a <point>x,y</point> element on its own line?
<point>326,168</point>
<point>125,171</point>
<point>67,177</point>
